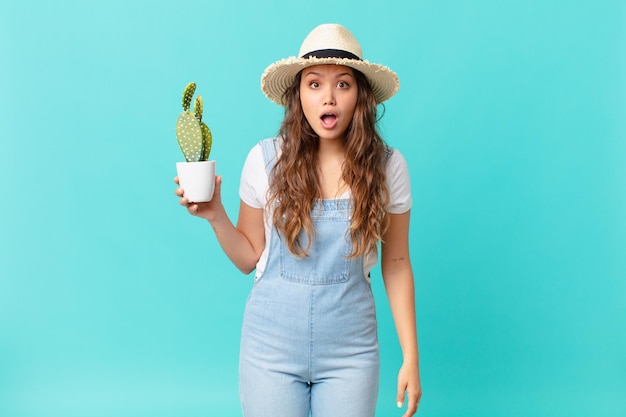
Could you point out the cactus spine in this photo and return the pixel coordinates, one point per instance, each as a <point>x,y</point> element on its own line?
<point>194,136</point>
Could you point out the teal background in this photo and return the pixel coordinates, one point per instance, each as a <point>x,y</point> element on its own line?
<point>511,114</point>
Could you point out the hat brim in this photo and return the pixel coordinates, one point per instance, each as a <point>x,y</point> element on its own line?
<point>279,76</point>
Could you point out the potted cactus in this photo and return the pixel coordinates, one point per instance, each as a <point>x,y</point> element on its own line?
<point>197,174</point>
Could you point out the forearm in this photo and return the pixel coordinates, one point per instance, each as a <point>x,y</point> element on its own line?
<point>234,242</point>
<point>400,292</point>
<point>398,278</point>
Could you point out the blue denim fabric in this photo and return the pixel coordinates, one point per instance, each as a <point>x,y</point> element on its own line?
<point>309,344</point>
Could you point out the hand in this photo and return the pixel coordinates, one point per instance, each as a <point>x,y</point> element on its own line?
<point>409,383</point>
<point>208,210</point>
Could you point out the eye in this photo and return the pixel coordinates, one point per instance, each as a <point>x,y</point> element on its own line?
<point>343,84</point>
<point>314,84</point>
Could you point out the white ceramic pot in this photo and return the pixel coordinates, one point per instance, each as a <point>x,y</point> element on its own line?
<point>197,179</point>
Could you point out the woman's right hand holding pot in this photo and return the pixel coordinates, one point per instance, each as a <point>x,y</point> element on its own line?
<point>209,210</point>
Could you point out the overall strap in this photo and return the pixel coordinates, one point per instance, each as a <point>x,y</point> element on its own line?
<point>269,147</point>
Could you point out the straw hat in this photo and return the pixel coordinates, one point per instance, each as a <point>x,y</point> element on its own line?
<point>328,44</point>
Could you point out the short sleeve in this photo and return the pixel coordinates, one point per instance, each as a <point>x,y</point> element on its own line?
<point>399,184</point>
<point>253,184</point>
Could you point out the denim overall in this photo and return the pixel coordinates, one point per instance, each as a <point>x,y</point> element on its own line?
<point>309,344</point>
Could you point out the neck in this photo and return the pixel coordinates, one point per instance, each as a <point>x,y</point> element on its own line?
<point>331,148</point>
<point>330,160</point>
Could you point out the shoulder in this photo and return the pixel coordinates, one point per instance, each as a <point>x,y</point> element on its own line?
<point>398,183</point>
<point>253,183</point>
<point>263,151</point>
<point>397,167</point>
<point>254,160</point>
<point>395,158</point>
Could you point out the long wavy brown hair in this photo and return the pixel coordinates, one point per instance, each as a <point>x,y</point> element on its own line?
<point>294,186</point>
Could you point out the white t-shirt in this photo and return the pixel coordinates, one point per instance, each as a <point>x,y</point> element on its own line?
<point>254,184</point>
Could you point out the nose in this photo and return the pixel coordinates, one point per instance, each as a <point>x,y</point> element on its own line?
<point>329,96</point>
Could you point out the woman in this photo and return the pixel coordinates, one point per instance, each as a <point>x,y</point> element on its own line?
<point>315,202</point>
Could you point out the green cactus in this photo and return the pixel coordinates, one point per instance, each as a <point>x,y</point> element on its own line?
<point>194,136</point>
<point>188,94</point>
<point>207,137</point>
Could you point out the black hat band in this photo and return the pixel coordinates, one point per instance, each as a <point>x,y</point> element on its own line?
<point>331,53</point>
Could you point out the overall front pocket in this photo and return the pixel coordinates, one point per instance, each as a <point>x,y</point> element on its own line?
<point>327,261</point>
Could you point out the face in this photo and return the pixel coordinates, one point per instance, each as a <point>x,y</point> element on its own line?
<point>328,94</point>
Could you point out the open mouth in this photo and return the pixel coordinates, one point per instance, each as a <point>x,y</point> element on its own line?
<point>329,120</point>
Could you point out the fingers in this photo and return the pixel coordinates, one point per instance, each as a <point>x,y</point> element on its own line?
<point>183,200</point>
<point>400,394</point>
<point>412,403</point>
<point>193,209</point>
<point>411,409</point>
<point>400,398</point>
<point>180,193</point>
<point>412,397</point>
<point>218,185</point>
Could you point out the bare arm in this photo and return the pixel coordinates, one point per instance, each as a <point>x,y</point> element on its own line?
<point>398,278</point>
<point>244,243</point>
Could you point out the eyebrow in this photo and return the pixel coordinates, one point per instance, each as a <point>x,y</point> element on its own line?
<point>318,74</point>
